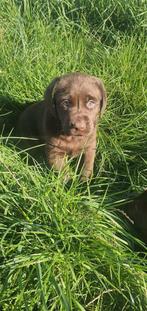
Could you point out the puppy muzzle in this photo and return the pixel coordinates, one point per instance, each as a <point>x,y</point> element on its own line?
<point>79,126</point>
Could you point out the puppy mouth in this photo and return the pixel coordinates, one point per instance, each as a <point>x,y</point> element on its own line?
<point>71,133</point>
<point>76,133</point>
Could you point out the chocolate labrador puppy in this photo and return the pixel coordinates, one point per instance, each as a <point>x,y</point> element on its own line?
<point>65,121</point>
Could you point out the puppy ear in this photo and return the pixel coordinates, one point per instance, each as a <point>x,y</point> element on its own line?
<point>49,95</point>
<point>104,96</point>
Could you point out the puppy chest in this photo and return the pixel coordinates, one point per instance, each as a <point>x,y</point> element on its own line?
<point>74,150</point>
<point>72,146</point>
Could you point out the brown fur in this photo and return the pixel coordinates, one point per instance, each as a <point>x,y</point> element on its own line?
<point>65,121</point>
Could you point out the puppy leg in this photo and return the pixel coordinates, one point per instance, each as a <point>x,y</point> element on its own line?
<point>59,162</point>
<point>89,157</point>
<point>55,160</point>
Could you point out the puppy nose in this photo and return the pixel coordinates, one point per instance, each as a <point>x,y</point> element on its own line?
<point>79,126</point>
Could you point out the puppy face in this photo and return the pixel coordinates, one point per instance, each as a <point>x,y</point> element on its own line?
<point>77,100</point>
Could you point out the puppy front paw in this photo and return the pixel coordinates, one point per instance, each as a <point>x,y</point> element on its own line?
<point>86,175</point>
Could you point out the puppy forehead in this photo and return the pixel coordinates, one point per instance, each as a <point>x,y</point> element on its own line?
<point>80,85</point>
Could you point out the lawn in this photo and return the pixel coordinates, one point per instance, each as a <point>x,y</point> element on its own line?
<point>65,247</point>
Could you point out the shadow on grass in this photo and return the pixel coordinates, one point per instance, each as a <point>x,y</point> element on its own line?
<point>10,111</point>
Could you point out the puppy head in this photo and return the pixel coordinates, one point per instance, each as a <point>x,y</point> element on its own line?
<point>77,100</point>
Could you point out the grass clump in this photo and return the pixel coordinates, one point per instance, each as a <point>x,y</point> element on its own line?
<point>62,250</point>
<point>63,247</point>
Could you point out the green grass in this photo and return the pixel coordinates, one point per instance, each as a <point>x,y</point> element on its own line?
<point>64,247</point>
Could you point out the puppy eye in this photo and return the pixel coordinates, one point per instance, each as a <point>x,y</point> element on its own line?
<point>90,104</point>
<point>66,103</point>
